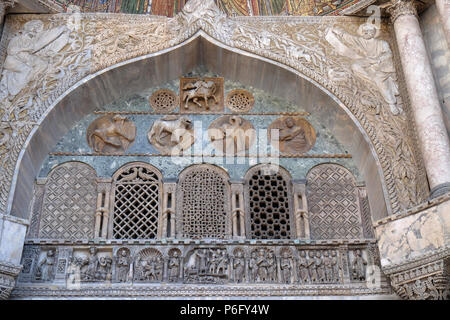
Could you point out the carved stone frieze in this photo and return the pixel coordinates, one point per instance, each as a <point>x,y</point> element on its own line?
<point>172,134</point>
<point>429,281</point>
<point>97,42</point>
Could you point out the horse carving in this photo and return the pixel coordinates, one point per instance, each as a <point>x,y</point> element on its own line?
<point>194,91</point>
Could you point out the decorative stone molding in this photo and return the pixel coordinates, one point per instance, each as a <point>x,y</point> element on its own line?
<point>103,42</point>
<point>401,7</point>
<point>429,281</point>
<point>8,275</point>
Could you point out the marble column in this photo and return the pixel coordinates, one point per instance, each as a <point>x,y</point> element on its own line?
<point>443,7</point>
<point>432,134</point>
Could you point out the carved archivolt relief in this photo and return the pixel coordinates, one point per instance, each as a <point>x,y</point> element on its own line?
<point>231,135</point>
<point>164,100</point>
<point>201,95</point>
<point>137,194</point>
<point>172,134</point>
<point>97,42</point>
<point>111,134</point>
<point>333,203</point>
<point>291,135</point>
<point>203,205</point>
<point>239,100</point>
<point>68,209</point>
<point>268,200</point>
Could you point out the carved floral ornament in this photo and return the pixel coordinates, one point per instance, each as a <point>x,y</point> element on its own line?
<point>75,46</point>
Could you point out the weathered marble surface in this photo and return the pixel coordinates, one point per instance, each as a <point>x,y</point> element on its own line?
<point>424,99</point>
<point>12,237</point>
<point>414,236</point>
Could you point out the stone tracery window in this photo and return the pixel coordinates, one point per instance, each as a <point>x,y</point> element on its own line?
<point>203,203</point>
<point>268,200</point>
<point>333,202</point>
<point>137,198</point>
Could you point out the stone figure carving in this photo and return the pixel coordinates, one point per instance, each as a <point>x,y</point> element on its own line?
<point>312,268</point>
<point>93,267</point>
<point>372,60</point>
<point>123,262</point>
<point>291,135</point>
<point>328,267</point>
<point>111,134</point>
<point>92,263</point>
<point>238,266</point>
<point>253,270</point>
<point>319,267</point>
<point>286,266</point>
<point>174,266</point>
<point>149,266</point>
<point>303,268</point>
<point>201,95</point>
<point>359,266</point>
<point>45,268</point>
<point>263,265</point>
<point>28,56</point>
<point>231,134</point>
<point>207,265</point>
<point>171,134</point>
<point>334,265</point>
<point>198,90</point>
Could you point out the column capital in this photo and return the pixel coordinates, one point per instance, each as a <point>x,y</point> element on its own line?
<point>399,8</point>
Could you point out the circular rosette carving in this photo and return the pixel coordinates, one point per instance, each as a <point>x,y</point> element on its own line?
<point>231,134</point>
<point>172,134</point>
<point>164,100</point>
<point>111,134</point>
<point>240,100</point>
<point>291,135</point>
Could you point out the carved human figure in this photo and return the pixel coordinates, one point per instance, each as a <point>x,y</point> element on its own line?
<point>174,267</point>
<point>303,268</point>
<point>262,266</point>
<point>74,271</point>
<point>291,135</point>
<point>359,266</point>
<point>103,269</point>
<point>271,266</point>
<point>372,60</point>
<point>111,134</point>
<point>293,132</point>
<point>252,266</point>
<point>199,90</point>
<point>123,265</point>
<point>202,260</point>
<point>334,265</point>
<point>45,268</point>
<point>222,264</point>
<point>328,267</point>
<point>92,263</point>
<point>286,266</point>
<point>171,133</point>
<point>320,267</point>
<point>28,55</point>
<point>238,267</point>
<point>312,266</point>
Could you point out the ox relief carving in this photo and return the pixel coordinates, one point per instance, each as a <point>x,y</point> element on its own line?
<point>172,134</point>
<point>291,135</point>
<point>206,265</point>
<point>231,135</point>
<point>201,95</point>
<point>111,134</point>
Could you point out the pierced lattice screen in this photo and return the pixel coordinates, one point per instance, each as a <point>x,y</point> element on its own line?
<point>333,203</point>
<point>268,205</point>
<point>203,203</point>
<point>137,195</point>
<point>68,208</point>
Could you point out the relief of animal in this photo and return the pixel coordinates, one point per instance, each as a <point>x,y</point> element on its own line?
<point>169,126</point>
<point>199,90</point>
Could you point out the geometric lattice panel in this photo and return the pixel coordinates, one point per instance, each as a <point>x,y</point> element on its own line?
<point>136,203</point>
<point>203,203</point>
<point>68,209</point>
<point>268,198</point>
<point>333,203</point>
